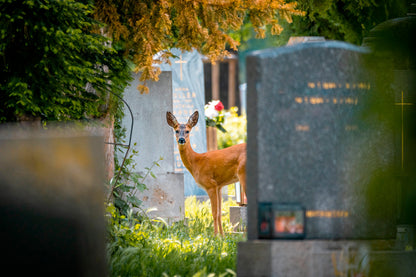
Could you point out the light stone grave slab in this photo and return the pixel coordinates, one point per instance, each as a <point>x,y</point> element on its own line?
<point>153,138</point>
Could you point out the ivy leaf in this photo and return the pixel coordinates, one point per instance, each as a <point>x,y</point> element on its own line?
<point>135,202</point>
<point>141,187</point>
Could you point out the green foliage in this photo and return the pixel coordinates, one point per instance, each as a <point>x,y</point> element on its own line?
<point>147,28</point>
<point>344,20</point>
<point>236,127</point>
<point>145,247</point>
<point>217,124</point>
<point>125,192</point>
<point>49,52</point>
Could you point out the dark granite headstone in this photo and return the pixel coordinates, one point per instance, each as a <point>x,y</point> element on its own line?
<point>393,43</point>
<point>310,145</point>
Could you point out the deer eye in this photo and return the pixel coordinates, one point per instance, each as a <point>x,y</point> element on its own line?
<point>187,132</point>
<point>177,131</point>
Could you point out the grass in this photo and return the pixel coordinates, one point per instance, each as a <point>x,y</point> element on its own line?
<point>139,246</point>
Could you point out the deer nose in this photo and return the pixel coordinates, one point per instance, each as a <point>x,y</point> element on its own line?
<point>181,141</point>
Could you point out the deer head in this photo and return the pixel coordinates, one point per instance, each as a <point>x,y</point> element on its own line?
<point>182,130</point>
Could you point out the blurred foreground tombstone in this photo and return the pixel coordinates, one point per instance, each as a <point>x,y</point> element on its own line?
<point>51,202</point>
<point>393,43</point>
<point>319,166</point>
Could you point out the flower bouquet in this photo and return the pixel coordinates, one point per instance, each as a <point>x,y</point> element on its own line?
<point>214,115</point>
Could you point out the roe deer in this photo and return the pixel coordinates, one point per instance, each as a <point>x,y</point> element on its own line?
<point>211,170</point>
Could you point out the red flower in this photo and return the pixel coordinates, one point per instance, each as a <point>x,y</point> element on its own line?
<point>219,107</point>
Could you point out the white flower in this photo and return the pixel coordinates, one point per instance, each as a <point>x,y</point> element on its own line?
<point>213,103</point>
<point>228,115</point>
<point>210,111</point>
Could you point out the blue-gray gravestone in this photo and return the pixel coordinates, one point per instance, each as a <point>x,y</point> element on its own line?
<point>188,96</point>
<point>308,143</point>
<point>154,140</point>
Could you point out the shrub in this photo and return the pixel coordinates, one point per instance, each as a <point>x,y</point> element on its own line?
<point>236,127</point>
<point>49,52</point>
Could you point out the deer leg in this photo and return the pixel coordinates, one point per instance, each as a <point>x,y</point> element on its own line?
<point>219,201</point>
<point>212,193</point>
<point>242,178</point>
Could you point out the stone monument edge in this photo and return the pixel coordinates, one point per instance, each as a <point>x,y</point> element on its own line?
<point>277,51</point>
<point>253,69</point>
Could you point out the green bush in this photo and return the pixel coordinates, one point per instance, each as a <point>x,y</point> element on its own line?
<point>49,52</point>
<point>236,127</point>
<point>146,247</point>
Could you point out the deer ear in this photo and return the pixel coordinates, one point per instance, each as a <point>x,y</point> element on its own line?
<point>171,119</point>
<point>193,119</point>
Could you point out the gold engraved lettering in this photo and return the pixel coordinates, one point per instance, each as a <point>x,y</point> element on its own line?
<point>302,128</point>
<point>349,100</point>
<point>351,127</point>
<point>327,214</point>
<point>332,85</point>
<point>364,85</point>
<point>402,104</point>
<point>298,100</point>
<point>328,85</point>
<point>316,100</point>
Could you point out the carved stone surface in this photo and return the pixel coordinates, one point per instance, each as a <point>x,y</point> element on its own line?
<point>309,142</point>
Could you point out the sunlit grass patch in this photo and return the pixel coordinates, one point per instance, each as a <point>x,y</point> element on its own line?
<point>145,247</point>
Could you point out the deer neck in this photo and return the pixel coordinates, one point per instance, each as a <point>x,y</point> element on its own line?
<point>188,155</point>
